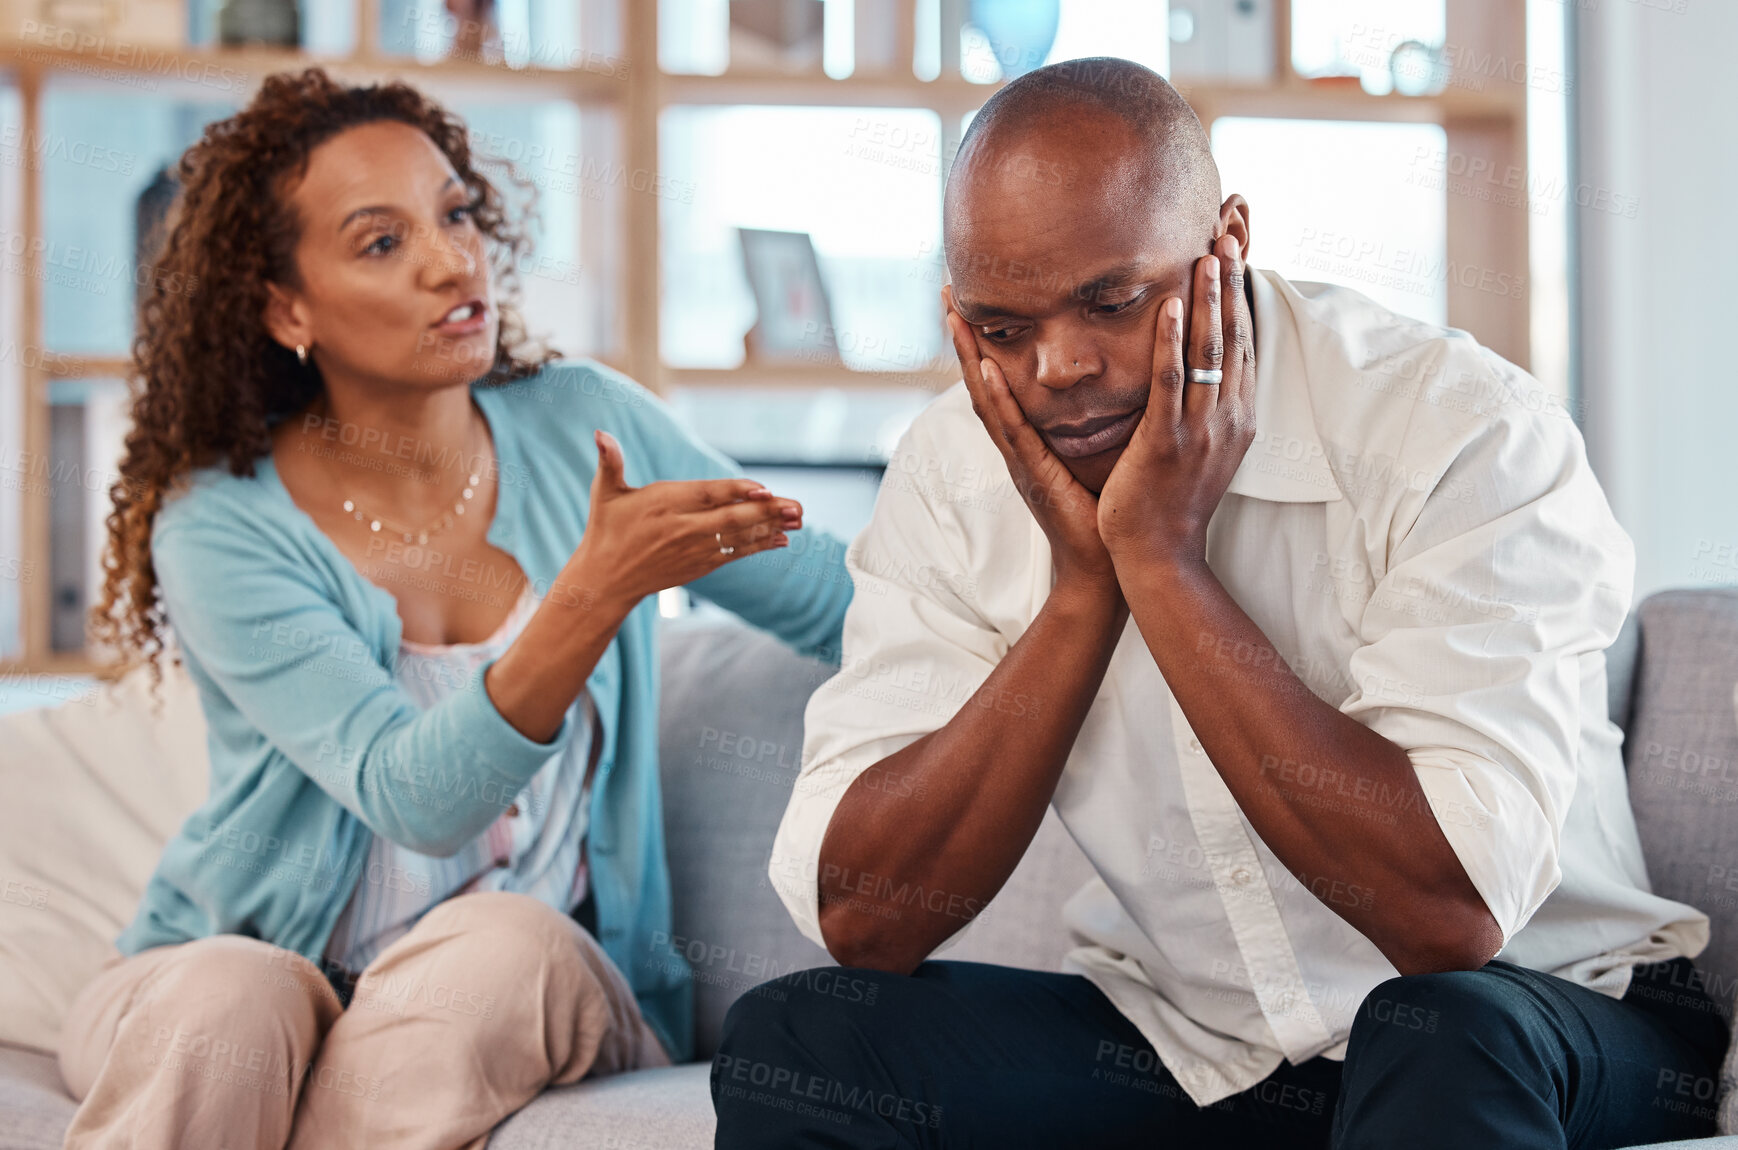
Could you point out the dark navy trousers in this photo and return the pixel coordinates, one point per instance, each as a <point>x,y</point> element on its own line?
<point>962,1054</point>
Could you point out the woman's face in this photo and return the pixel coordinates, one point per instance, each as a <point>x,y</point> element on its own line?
<point>389,260</point>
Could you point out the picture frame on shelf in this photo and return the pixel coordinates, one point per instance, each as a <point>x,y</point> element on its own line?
<point>794,322</point>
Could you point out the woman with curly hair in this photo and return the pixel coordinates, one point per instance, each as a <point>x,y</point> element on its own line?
<point>407,566</point>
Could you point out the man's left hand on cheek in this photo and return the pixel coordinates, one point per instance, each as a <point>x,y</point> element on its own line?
<point>1155,506</point>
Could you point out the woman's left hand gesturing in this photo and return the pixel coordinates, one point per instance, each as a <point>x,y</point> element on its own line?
<point>1155,506</point>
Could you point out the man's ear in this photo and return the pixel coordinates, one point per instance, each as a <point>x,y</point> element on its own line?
<point>1234,218</point>
<point>285,319</point>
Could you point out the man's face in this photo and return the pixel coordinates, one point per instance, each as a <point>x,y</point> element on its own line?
<point>1061,283</point>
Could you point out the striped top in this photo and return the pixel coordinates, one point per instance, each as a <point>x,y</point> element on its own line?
<point>534,847</point>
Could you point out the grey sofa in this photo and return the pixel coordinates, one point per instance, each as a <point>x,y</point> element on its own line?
<point>732,738</point>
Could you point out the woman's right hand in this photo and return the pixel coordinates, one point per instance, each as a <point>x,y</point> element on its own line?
<point>640,540</point>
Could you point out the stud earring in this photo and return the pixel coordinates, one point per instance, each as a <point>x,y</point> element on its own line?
<point>302,354</point>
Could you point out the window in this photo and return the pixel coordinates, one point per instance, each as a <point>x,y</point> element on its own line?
<point>558,153</point>
<point>1381,42</point>
<point>864,183</point>
<point>104,161</point>
<point>86,429</point>
<point>1344,202</point>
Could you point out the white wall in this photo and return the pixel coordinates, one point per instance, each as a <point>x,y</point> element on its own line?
<point>1657,102</point>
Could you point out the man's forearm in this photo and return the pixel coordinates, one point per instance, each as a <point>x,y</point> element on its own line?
<point>986,777</point>
<point>1253,715</point>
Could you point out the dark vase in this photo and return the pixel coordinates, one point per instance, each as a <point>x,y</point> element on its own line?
<point>276,22</point>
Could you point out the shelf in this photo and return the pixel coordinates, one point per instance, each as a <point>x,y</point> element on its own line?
<point>799,375</point>
<point>58,663</point>
<point>86,366</point>
<point>925,378</point>
<point>1306,101</point>
<point>892,89</point>
<point>1302,100</point>
<point>233,71</point>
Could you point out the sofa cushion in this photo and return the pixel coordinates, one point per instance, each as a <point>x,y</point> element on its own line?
<point>731,739</point>
<point>1620,660</point>
<point>34,1108</point>
<point>665,1109</point>
<point>1727,1115</point>
<point>1682,753</point>
<point>94,788</point>
<point>730,736</point>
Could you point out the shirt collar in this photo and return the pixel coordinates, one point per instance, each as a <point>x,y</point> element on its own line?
<point>1286,463</point>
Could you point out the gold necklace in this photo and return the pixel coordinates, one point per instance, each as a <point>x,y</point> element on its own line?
<point>415,534</point>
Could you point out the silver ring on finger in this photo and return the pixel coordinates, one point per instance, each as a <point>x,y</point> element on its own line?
<point>1207,375</point>
<point>722,549</point>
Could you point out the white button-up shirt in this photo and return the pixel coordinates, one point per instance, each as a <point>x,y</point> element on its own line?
<point>1417,532</point>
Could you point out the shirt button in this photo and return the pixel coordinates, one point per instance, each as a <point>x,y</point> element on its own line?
<point>1195,746</point>
<point>1241,876</point>
<point>513,811</point>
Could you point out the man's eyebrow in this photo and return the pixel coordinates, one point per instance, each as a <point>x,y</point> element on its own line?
<point>968,310</point>
<point>1120,276</point>
<point>383,209</point>
<point>1109,280</point>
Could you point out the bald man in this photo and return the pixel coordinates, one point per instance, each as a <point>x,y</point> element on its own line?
<point>1295,610</point>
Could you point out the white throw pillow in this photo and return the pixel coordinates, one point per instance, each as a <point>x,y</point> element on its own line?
<point>92,790</point>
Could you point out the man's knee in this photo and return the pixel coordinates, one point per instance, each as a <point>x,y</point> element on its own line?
<point>1436,1016</point>
<point>816,1002</point>
<point>763,1012</point>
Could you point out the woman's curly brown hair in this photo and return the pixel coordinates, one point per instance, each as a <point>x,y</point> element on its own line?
<point>208,380</point>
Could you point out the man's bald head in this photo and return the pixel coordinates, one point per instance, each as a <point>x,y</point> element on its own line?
<point>1099,119</point>
<point>1083,196</point>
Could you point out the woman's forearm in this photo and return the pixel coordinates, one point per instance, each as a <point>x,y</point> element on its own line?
<point>542,672</point>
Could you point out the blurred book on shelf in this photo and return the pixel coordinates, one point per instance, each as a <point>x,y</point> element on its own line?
<point>778,35</point>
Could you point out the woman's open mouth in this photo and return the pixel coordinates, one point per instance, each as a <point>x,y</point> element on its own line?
<point>467,318</point>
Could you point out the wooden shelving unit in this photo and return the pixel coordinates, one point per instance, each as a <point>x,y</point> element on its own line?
<point>1485,120</point>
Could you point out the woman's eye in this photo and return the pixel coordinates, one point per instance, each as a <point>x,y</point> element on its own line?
<point>376,249</point>
<point>463,211</point>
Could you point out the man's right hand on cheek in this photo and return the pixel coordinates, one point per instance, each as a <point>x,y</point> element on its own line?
<point>1065,510</point>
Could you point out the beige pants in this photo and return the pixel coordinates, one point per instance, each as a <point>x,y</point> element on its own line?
<point>230,1042</point>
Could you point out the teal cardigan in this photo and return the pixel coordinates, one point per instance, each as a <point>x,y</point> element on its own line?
<point>314,748</point>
